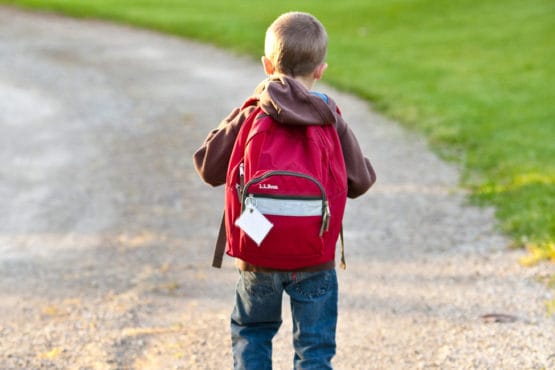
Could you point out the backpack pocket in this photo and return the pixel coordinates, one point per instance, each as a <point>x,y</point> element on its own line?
<point>297,206</point>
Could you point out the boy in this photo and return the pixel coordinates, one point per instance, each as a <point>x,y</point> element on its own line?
<point>295,51</point>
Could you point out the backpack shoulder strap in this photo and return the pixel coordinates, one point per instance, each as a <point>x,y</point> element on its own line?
<point>219,250</point>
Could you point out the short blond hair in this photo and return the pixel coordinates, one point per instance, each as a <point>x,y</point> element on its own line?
<point>296,43</point>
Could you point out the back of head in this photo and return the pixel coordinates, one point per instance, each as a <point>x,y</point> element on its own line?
<point>296,43</point>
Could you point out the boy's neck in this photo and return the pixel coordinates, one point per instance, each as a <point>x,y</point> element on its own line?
<point>306,81</point>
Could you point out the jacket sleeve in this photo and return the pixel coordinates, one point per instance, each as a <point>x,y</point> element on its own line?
<point>360,173</point>
<point>212,158</point>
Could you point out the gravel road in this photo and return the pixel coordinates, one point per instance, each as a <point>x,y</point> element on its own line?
<point>106,233</point>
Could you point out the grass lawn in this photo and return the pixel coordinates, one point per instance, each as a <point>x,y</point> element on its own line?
<point>476,77</point>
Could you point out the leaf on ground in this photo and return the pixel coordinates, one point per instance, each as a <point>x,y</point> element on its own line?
<point>133,332</point>
<point>53,311</point>
<point>52,354</point>
<point>501,318</point>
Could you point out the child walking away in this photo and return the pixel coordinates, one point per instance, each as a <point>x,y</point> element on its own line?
<point>288,161</point>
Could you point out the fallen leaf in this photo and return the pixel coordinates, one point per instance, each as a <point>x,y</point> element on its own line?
<point>500,318</point>
<point>52,354</point>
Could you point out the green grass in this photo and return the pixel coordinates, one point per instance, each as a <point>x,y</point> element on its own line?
<point>476,77</point>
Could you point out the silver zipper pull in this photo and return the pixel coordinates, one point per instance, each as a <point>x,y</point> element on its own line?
<point>239,186</point>
<point>250,203</point>
<point>325,219</point>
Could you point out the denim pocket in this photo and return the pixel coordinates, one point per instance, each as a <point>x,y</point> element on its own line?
<point>315,284</point>
<point>257,284</point>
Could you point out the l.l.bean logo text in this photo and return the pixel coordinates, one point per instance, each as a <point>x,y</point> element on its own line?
<point>268,187</point>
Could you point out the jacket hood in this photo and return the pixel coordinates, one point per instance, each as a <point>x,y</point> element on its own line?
<point>290,102</point>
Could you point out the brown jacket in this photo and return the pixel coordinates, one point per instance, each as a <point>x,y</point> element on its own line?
<point>288,102</point>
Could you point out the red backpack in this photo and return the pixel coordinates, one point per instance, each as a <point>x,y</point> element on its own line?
<point>295,177</point>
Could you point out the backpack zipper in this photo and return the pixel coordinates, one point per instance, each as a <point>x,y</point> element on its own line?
<point>240,184</point>
<point>326,214</point>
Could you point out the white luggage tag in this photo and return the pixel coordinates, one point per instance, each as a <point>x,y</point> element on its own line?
<point>254,223</point>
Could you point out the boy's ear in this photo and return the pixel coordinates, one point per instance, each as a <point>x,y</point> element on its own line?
<point>269,68</point>
<point>319,72</point>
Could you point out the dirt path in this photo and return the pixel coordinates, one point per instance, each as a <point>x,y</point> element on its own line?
<point>106,233</point>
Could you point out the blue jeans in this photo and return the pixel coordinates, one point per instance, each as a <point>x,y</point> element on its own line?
<point>256,317</point>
